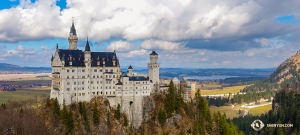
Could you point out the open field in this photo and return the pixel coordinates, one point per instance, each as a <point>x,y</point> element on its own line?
<point>18,76</point>
<point>233,112</point>
<point>26,82</point>
<point>230,113</point>
<point>226,90</point>
<point>23,94</point>
<point>260,110</point>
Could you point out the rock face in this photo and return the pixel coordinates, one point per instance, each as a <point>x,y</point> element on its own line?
<point>148,107</point>
<point>171,122</point>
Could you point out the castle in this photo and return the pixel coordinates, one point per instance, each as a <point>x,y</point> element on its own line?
<point>83,75</point>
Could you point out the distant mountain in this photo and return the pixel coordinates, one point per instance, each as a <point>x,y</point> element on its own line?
<point>289,69</point>
<point>10,68</point>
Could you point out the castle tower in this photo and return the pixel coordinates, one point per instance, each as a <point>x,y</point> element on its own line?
<point>87,63</point>
<point>153,69</point>
<point>130,71</point>
<point>72,38</point>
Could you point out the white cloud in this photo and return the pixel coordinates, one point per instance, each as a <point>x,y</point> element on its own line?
<point>120,46</point>
<point>20,48</point>
<point>250,54</point>
<point>161,45</point>
<point>137,19</point>
<point>226,62</point>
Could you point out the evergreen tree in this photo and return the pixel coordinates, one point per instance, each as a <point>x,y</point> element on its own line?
<point>118,112</point>
<point>96,114</point>
<point>162,117</point>
<point>170,100</point>
<point>56,108</point>
<point>195,128</point>
<point>125,121</point>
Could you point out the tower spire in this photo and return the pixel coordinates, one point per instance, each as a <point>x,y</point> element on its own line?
<point>87,46</point>
<point>73,37</point>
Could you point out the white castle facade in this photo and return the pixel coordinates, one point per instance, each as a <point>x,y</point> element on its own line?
<point>83,75</point>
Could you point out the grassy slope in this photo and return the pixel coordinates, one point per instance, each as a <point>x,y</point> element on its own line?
<point>23,94</point>
<point>260,110</point>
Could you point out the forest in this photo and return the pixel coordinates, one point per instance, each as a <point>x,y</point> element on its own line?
<point>285,110</point>
<point>170,116</point>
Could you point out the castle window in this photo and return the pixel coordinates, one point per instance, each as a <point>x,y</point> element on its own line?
<point>91,82</point>
<point>95,70</point>
<point>68,83</point>
<point>113,76</point>
<point>74,90</point>
<point>119,87</point>
<point>109,87</point>
<point>73,70</point>
<point>82,83</point>
<point>82,88</point>
<point>83,76</point>
<point>106,70</point>
<point>111,70</point>
<point>101,92</point>
<point>106,87</point>
<point>136,87</point>
<point>68,89</point>
<point>67,70</point>
<point>101,76</point>
<point>72,77</point>
<point>113,82</point>
<point>97,82</point>
<point>83,70</point>
<point>79,94</point>
<point>93,93</point>
<point>75,94</point>
<point>83,94</point>
<point>79,70</point>
<point>100,70</point>
<point>93,76</point>
<point>109,76</point>
<point>67,77</point>
<point>110,92</point>
<point>136,92</point>
<point>106,93</point>
<point>113,87</point>
<point>97,76</point>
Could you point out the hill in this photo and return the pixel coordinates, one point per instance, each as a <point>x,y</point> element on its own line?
<point>286,74</point>
<point>11,68</point>
<point>286,70</point>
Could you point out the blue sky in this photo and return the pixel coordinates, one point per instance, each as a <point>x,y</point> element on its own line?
<point>195,34</point>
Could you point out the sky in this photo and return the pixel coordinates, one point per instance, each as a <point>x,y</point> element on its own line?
<point>185,33</point>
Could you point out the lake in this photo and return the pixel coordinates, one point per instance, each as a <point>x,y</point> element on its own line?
<point>212,77</point>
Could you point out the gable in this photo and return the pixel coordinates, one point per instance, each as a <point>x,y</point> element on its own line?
<point>56,60</point>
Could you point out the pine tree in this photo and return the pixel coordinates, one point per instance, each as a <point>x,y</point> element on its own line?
<point>170,100</point>
<point>96,114</point>
<point>162,117</point>
<point>118,112</point>
<point>195,128</point>
<point>56,108</point>
<point>125,121</point>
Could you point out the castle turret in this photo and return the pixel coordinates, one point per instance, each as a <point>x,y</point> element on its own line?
<point>153,69</point>
<point>130,71</point>
<point>87,62</point>
<point>72,38</point>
